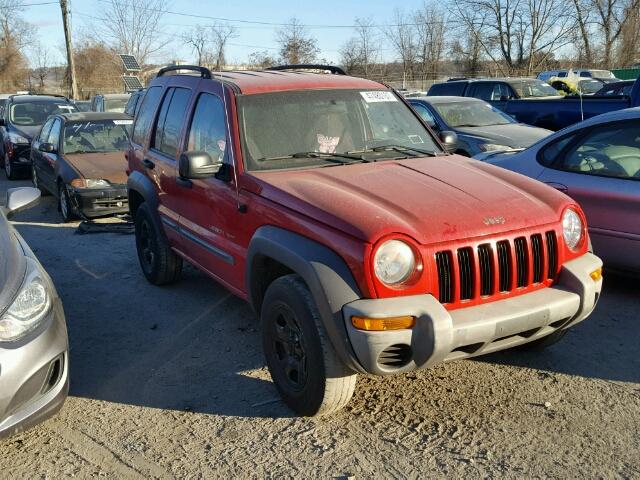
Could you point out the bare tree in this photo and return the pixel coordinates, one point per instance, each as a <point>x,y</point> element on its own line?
<point>221,33</point>
<point>199,39</point>
<point>430,39</point>
<point>583,19</point>
<point>296,45</point>
<point>367,39</point>
<point>611,16</point>
<point>350,58</point>
<point>15,36</point>
<point>402,37</point>
<point>629,47</point>
<point>518,35</point>
<point>261,59</point>
<point>133,27</point>
<point>40,64</point>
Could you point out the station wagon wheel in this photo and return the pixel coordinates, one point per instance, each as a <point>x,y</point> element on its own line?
<point>304,366</point>
<point>159,263</point>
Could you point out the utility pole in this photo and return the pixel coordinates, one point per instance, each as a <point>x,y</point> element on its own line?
<point>67,38</point>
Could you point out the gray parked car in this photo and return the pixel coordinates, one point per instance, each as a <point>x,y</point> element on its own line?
<point>597,162</point>
<point>479,126</point>
<point>34,372</point>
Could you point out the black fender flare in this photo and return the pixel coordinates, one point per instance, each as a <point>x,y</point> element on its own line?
<point>326,274</point>
<point>139,183</point>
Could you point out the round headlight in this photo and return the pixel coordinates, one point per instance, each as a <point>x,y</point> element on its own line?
<point>572,228</point>
<point>394,262</point>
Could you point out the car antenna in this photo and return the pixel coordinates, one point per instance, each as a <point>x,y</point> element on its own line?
<point>242,208</point>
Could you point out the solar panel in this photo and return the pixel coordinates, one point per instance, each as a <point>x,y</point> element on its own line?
<point>131,83</point>
<point>130,63</point>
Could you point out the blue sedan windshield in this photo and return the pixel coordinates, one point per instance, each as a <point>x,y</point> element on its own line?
<point>471,114</point>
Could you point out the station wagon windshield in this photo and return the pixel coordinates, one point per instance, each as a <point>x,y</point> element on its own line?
<point>96,136</point>
<point>328,127</point>
<point>36,113</point>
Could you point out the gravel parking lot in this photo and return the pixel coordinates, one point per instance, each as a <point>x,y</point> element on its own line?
<point>170,382</point>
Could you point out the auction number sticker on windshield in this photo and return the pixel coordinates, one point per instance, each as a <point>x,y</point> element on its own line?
<point>122,122</point>
<point>378,96</point>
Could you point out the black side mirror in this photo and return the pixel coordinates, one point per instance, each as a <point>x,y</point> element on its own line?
<point>194,165</point>
<point>449,140</point>
<point>2,123</point>
<point>47,148</point>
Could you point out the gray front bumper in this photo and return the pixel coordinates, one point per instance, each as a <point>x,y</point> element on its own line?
<point>34,376</point>
<point>440,335</point>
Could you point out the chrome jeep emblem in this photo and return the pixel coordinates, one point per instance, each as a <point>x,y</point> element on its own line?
<point>493,220</point>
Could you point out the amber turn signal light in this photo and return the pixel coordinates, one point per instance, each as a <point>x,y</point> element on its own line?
<point>380,324</point>
<point>596,274</point>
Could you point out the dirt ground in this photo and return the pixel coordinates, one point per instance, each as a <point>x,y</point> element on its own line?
<point>170,382</point>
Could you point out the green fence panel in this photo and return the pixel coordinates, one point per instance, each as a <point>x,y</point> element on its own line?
<point>626,73</point>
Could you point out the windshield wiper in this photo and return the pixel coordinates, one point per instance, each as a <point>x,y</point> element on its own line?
<point>330,157</point>
<point>400,149</point>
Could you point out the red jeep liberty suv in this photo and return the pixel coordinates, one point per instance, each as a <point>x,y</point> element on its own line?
<point>363,246</point>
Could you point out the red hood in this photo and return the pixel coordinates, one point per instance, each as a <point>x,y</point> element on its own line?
<point>430,199</point>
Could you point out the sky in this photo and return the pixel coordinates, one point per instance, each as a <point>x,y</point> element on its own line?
<point>251,37</point>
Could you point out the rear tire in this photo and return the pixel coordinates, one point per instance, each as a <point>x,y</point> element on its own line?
<point>304,366</point>
<point>8,171</point>
<point>544,342</point>
<point>160,264</point>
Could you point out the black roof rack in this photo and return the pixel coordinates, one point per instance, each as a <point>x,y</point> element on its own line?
<point>309,66</point>
<point>204,72</point>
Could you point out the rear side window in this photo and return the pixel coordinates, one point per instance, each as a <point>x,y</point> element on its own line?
<point>145,115</point>
<point>450,88</point>
<point>170,120</point>
<point>208,131</point>
<point>550,153</point>
<point>485,91</point>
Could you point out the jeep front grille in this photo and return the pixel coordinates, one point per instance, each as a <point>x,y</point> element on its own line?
<point>496,267</point>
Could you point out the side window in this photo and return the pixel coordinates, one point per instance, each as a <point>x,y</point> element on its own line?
<point>144,119</point>
<point>608,150</point>
<point>483,91</point>
<point>550,153</point>
<point>208,130</point>
<point>585,74</point>
<point>170,120</point>
<point>562,74</point>
<point>426,115</point>
<point>54,135</point>
<point>44,133</point>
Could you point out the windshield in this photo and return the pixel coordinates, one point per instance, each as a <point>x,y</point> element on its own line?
<point>590,86</point>
<point>316,127</point>
<point>96,136</point>
<point>115,104</point>
<point>471,114</point>
<point>30,114</point>
<point>533,89</point>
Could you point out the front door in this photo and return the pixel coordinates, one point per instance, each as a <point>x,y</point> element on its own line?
<point>209,216</point>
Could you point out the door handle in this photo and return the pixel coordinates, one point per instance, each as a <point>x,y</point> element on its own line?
<point>146,163</point>
<point>558,186</point>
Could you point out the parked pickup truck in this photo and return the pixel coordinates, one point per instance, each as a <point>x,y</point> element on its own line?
<point>363,247</point>
<point>551,112</point>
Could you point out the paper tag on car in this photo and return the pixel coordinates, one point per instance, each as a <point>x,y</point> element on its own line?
<point>378,96</point>
<point>122,122</point>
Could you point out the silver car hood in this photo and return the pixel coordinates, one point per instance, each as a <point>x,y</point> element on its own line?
<point>13,264</point>
<point>514,135</point>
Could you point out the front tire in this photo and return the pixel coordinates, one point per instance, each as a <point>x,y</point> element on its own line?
<point>304,366</point>
<point>159,263</point>
<point>64,204</point>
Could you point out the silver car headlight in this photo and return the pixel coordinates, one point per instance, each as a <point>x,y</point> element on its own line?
<point>17,139</point>
<point>572,228</point>
<point>394,262</point>
<point>28,310</point>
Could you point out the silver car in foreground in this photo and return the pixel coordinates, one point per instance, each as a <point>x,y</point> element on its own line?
<point>34,372</point>
<point>597,162</point>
